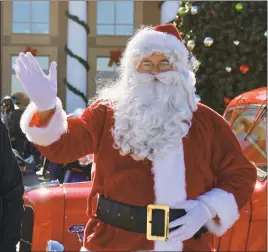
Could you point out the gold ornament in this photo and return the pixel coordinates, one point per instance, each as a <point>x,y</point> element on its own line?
<point>191,45</point>
<point>228,69</point>
<point>208,41</point>
<point>194,10</point>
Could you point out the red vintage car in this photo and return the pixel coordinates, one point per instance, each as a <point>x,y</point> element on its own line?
<point>55,214</point>
<point>247,115</point>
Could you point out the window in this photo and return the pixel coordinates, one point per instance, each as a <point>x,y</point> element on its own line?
<point>228,115</point>
<point>15,84</point>
<point>30,17</point>
<point>105,74</point>
<point>115,17</point>
<point>254,143</point>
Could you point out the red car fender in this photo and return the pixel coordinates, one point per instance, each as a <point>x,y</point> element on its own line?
<point>75,219</point>
<point>48,205</point>
<point>257,237</point>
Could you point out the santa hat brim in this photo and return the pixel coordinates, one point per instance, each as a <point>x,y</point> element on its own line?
<point>147,41</point>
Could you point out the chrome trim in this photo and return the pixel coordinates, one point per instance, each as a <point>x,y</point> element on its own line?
<point>261,175</point>
<point>27,242</point>
<point>42,185</point>
<point>242,106</point>
<point>84,164</point>
<point>82,182</point>
<point>54,246</point>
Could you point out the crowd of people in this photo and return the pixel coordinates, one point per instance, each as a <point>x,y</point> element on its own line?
<point>11,111</point>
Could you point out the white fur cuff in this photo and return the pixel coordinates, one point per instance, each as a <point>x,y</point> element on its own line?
<point>226,208</point>
<point>46,135</point>
<point>83,249</point>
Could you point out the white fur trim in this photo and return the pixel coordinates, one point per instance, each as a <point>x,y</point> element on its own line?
<point>46,135</point>
<point>148,41</point>
<point>170,188</point>
<point>84,249</point>
<point>226,208</point>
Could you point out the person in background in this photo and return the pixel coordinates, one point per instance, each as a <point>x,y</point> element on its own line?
<point>20,99</point>
<point>11,195</point>
<point>11,116</point>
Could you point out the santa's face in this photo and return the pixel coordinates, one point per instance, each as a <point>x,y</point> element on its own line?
<point>153,114</point>
<point>154,64</point>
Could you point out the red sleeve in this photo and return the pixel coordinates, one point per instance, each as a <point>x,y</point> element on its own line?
<point>234,175</point>
<point>234,172</point>
<point>64,140</point>
<point>82,137</point>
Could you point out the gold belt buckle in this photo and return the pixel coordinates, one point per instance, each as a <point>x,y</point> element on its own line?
<point>150,209</point>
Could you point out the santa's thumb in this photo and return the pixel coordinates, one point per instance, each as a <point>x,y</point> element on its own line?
<point>53,71</point>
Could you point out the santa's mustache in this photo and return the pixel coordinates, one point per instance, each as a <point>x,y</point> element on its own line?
<point>165,78</point>
<point>168,78</point>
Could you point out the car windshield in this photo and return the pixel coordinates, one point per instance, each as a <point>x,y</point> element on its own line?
<point>253,144</point>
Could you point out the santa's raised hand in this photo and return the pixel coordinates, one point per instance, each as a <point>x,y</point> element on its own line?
<point>41,88</point>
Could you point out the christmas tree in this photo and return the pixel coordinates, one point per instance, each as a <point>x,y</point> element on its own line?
<point>229,41</point>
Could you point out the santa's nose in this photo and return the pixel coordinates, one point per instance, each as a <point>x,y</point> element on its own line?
<point>155,70</point>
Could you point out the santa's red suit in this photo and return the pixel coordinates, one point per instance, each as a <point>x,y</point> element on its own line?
<point>207,163</point>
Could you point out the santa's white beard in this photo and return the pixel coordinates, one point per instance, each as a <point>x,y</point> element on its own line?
<point>152,116</point>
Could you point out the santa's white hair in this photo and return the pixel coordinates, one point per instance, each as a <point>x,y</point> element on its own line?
<point>152,112</point>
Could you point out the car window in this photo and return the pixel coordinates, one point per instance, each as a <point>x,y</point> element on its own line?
<point>228,115</point>
<point>235,111</point>
<point>257,139</point>
<point>254,145</point>
<point>243,122</point>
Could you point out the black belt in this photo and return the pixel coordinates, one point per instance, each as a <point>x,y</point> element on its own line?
<point>140,219</point>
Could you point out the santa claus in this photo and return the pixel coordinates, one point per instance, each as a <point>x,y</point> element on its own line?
<point>169,173</point>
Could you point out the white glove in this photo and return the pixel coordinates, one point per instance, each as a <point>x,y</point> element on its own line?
<point>40,88</point>
<point>190,223</point>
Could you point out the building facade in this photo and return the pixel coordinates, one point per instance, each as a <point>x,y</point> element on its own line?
<point>41,27</point>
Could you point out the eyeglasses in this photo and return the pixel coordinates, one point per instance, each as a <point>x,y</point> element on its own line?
<point>148,66</point>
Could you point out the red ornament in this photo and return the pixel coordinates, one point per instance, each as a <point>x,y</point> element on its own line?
<point>114,57</point>
<point>227,100</point>
<point>212,12</point>
<point>244,68</point>
<point>32,51</point>
<point>177,20</point>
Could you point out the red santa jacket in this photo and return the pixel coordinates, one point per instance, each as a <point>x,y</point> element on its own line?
<point>209,162</point>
